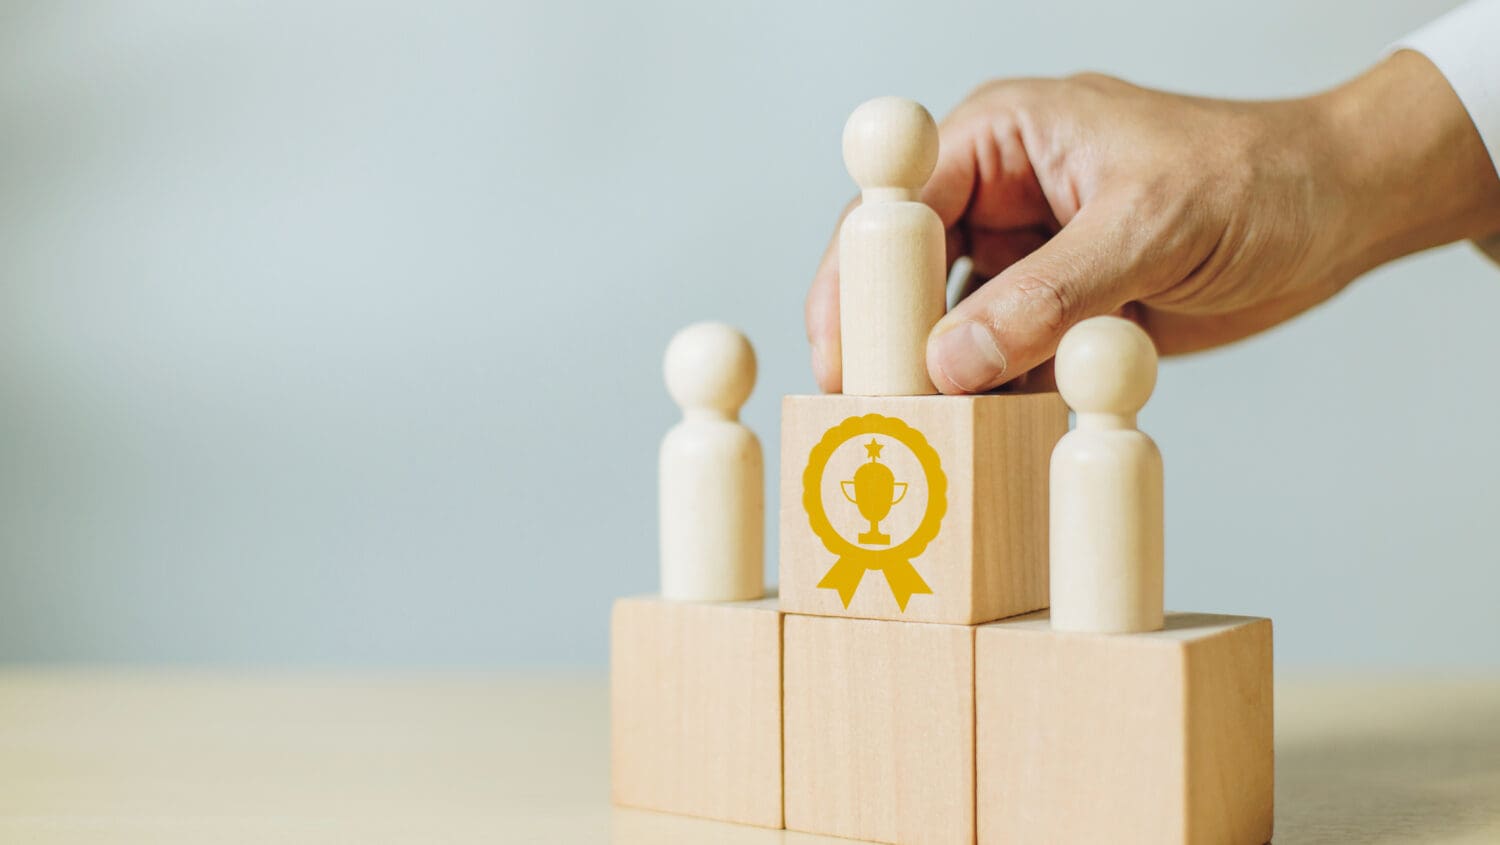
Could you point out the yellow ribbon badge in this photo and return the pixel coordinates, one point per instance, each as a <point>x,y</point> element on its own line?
<point>874,491</point>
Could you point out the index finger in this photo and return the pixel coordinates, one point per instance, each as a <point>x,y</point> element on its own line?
<point>822,314</point>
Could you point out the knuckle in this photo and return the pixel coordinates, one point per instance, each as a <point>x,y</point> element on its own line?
<point>1095,80</point>
<point>983,88</point>
<point>1012,92</point>
<point>989,88</point>
<point>1046,303</point>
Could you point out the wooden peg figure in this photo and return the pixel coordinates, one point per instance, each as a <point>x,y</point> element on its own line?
<point>892,264</point>
<point>1106,508</point>
<point>712,506</point>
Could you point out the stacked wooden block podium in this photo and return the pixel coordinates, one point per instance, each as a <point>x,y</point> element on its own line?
<point>964,718</point>
<point>907,684</point>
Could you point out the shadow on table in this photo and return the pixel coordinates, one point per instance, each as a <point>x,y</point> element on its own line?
<point>1383,785</point>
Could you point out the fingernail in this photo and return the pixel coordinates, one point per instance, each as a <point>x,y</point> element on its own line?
<point>968,357</point>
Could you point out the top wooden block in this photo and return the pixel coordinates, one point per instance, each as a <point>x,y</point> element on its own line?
<point>922,508</point>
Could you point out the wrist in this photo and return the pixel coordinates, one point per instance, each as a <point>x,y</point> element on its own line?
<point>1407,160</point>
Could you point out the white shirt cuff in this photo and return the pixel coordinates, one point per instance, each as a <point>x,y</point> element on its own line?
<point>1465,46</point>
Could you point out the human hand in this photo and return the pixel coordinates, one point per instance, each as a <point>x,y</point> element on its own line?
<point>1204,220</point>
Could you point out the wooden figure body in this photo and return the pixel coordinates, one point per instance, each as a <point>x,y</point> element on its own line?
<point>712,507</point>
<point>1106,528</point>
<point>892,251</point>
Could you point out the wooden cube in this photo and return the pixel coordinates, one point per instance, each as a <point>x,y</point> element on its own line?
<point>695,708</point>
<point>923,508</point>
<point>1156,739</point>
<point>879,729</point>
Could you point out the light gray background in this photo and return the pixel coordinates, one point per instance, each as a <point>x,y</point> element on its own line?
<point>331,334</point>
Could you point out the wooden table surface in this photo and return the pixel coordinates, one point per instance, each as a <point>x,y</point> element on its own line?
<point>171,757</point>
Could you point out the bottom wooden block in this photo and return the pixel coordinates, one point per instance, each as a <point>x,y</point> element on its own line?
<point>879,729</point>
<point>1132,739</point>
<point>695,708</point>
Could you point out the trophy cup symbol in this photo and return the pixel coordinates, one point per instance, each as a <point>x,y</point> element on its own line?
<point>875,491</point>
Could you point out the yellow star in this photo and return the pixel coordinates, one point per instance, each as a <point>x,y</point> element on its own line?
<point>873,448</point>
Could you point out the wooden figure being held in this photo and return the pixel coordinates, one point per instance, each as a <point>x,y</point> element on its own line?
<point>892,251</point>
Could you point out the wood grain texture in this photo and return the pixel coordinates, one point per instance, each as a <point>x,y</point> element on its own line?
<point>879,729</point>
<point>1106,535</point>
<point>892,251</point>
<point>1137,739</point>
<point>710,471</point>
<point>989,559</point>
<point>177,756</point>
<point>695,705</point>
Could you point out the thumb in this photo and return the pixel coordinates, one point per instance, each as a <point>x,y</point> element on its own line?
<point>1013,323</point>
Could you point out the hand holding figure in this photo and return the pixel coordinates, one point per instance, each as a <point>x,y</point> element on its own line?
<point>1204,220</point>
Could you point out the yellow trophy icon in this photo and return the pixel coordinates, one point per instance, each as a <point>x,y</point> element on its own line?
<point>876,491</point>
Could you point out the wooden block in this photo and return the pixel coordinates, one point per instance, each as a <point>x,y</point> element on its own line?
<point>1152,738</point>
<point>879,729</point>
<point>923,508</point>
<point>695,708</point>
